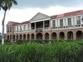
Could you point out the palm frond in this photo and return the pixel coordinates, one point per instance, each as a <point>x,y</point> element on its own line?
<point>15,2</point>
<point>7,4</point>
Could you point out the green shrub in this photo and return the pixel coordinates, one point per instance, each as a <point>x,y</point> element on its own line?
<point>37,52</point>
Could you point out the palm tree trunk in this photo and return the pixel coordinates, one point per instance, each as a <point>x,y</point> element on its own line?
<point>3,37</point>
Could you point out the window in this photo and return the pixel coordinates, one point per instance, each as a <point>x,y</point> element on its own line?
<point>53,23</point>
<point>24,27</point>
<point>69,22</point>
<point>7,29</point>
<point>61,22</point>
<point>47,23</point>
<point>33,25</point>
<point>28,27</point>
<point>20,28</point>
<point>10,29</point>
<point>78,20</point>
<point>17,29</point>
<point>82,18</point>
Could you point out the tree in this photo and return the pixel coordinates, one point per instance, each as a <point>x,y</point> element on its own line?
<point>6,5</point>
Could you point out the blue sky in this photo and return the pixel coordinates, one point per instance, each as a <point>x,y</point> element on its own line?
<point>47,3</point>
<point>26,9</point>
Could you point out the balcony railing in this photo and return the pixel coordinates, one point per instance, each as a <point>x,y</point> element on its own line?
<point>39,30</point>
<point>68,27</point>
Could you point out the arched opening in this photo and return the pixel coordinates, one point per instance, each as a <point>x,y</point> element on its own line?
<point>28,37</point>
<point>46,36</point>
<point>24,37</point>
<point>79,35</point>
<point>7,37</point>
<point>32,36</point>
<point>39,36</point>
<point>14,37</point>
<point>70,35</point>
<point>20,37</point>
<point>10,37</point>
<point>54,36</point>
<point>61,36</point>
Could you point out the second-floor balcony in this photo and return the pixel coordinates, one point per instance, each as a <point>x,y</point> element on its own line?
<point>39,30</point>
<point>40,26</point>
<point>67,27</point>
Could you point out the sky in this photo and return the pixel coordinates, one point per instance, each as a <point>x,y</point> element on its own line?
<point>26,9</point>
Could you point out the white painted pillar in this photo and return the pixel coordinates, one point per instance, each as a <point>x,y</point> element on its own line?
<point>35,36</point>
<point>43,25</point>
<point>35,26</point>
<point>30,37</point>
<point>43,30</point>
<point>18,37</point>
<point>26,36</point>
<point>65,35</point>
<point>74,35</point>
<point>49,36</point>
<point>22,37</point>
<point>58,36</point>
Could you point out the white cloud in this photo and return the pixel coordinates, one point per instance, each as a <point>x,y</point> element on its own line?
<point>21,15</point>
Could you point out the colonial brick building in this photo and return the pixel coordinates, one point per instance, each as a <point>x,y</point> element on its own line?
<point>67,26</point>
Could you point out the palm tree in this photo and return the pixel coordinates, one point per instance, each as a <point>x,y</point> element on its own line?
<point>0,3</point>
<point>6,5</point>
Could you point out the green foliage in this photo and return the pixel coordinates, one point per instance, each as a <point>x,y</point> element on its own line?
<point>38,52</point>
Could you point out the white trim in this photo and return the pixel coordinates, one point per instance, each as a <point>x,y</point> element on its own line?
<point>40,20</point>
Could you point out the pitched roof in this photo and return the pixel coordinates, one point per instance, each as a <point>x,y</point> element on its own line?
<point>39,16</point>
<point>25,22</point>
<point>16,23</point>
<point>73,13</point>
<point>12,23</point>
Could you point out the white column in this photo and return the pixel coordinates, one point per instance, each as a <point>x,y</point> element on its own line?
<point>49,36</point>
<point>35,33</point>
<point>34,36</point>
<point>58,36</point>
<point>50,24</point>
<point>18,37</point>
<point>26,36</point>
<point>22,37</point>
<point>35,27</point>
<point>43,31</point>
<point>65,35</point>
<point>43,25</point>
<point>30,37</point>
<point>74,35</point>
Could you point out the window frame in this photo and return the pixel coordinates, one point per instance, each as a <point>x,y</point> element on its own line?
<point>61,22</point>
<point>69,21</point>
<point>53,22</point>
<point>78,20</point>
